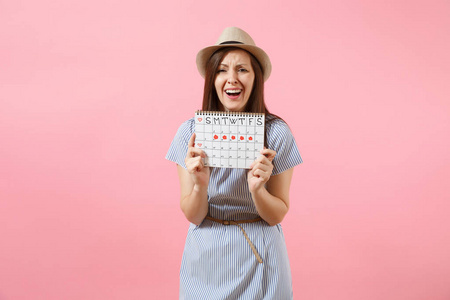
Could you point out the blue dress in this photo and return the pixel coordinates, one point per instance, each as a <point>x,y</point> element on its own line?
<point>218,262</point>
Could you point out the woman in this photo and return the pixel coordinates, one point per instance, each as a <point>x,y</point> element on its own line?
<point>235,247</point>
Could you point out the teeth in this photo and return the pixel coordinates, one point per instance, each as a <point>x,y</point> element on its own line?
<point>232,91</point>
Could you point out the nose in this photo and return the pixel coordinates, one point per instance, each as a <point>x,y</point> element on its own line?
<point>233,78</point>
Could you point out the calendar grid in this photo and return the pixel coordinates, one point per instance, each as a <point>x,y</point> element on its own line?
<point>229,139</point>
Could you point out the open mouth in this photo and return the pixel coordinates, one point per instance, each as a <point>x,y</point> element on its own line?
<point>234,92</point>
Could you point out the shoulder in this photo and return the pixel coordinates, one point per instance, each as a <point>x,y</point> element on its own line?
<point>279,135</point>
<point>179,146</point>
<point>186,129</point>
<point>188,124</point>
<point>281,140</point>
<point>278,128</point>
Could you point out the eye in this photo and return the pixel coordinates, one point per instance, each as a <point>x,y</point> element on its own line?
<point>242,70</point>
<point>221,70</point>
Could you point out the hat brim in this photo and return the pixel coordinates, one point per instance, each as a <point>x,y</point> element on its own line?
<point>262,57</point>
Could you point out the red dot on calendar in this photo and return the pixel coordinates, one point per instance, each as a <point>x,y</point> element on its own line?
<point>242,138</point>
<point>216,137</point>
<point>224,137</point>
<point>250,138</point>
<point>199,144</point>
<point>200,119</point>
<point>233,137</point>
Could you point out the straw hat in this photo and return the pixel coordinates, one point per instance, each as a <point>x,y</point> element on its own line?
<point>235,37</point>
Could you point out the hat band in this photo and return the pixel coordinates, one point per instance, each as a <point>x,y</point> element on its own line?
<point>230,42</point>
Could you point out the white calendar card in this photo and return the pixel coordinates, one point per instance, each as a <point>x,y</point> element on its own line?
<point>229,139</point>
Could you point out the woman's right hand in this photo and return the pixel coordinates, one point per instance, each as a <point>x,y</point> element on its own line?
<point>194,164</point>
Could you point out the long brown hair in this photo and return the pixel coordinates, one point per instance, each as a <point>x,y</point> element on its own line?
<point>255,102</point>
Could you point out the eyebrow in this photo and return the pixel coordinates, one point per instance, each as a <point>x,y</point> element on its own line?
<point>238,65</point>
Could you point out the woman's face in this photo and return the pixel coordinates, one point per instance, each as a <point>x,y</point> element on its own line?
<point>234,80</point>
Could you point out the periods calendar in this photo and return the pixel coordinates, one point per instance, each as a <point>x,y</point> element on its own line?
<point>229,139</point>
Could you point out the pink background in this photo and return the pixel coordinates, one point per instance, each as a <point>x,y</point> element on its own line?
<point>92,92</point>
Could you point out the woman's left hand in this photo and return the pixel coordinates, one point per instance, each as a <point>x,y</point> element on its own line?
<point>261,169</point>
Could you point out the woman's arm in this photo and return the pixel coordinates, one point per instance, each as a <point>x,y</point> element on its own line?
<point>270,193</point>
<point>194,185</point>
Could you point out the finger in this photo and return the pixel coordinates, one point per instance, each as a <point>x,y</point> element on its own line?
<point>263,160</point>
<point>262,166</point>
<point>195,165</point>
<point>260,159</point>
<point>199,164</point>
<point>261,174</point>
<point>194,152</point>
<point>269,153</point>
<point>255,162</point>
<point>191,142</point>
